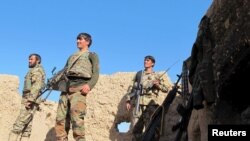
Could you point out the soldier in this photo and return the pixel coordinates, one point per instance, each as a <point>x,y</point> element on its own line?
<point>151,85</point>
<point>82,74</point>
<point>34,83</point>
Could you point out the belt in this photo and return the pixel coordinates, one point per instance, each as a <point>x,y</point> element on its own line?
<point>75,89</point>
<point>70,77</point>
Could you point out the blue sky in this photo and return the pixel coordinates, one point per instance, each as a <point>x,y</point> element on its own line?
<point>123,31</point>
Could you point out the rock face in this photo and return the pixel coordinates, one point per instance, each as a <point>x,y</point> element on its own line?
<point>106,109</point>
<point>229,51</point>
<point>230,30</point>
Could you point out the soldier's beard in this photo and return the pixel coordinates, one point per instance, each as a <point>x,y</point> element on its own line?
<point>32,65</point>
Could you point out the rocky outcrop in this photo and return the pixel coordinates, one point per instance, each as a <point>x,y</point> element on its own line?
<point>230,29</point>
<point>228,49</point>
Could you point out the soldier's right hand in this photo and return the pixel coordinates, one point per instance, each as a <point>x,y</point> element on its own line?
<point>28,105</point>
<point>85,89</point>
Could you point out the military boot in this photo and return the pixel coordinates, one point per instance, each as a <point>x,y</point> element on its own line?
<point>13,136</point>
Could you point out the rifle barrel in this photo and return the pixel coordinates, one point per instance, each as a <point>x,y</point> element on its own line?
<point>155,122</point>
<point>169,68</point>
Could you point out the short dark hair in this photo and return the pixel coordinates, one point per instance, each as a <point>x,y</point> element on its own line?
<point>38,57</point>
<point>150,57</point>
<point>86,36</point>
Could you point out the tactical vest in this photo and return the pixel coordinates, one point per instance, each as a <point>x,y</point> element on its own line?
<point>28,78</point>
<point>82,67</point>
<point>27,82</point>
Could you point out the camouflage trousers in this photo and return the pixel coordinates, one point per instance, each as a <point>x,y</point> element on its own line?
<point>143,121</point>
<point>71,110</point>
<point>23,123</point>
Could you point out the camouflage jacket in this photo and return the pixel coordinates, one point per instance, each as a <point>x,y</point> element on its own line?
<point>34,83</point>
<point>150,93</point>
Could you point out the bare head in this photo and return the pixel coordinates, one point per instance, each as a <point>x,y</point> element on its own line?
<point>34,59</point>
<point>149,61</point>
<point>84,40</point>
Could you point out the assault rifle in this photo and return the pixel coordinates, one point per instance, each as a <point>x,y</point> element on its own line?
<point>138,93</point>
<point>59,80</point>
<point>185,112</point>
<point>156,118</point>
<point>184,109</point>
<point>56,82</point>
<point>48,86</point>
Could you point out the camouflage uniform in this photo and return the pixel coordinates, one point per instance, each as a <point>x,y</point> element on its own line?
<point>72,104</point>
<point>148,102</point>
<point>34,82</point>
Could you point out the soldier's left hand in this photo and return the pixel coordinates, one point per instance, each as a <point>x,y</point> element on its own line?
<point>156,83</point>
<point>85,89</point>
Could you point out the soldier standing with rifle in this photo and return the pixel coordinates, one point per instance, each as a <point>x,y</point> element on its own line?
<point>143,97</point>
<point>82,73</point>
<point>34,83</point>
